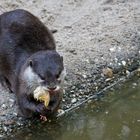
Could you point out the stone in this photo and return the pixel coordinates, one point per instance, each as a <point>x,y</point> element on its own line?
<point>73,100</point>
<point>108,72</point>
<point>124,63</point>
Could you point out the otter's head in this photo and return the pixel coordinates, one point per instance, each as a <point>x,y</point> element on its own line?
<point>45,68</point>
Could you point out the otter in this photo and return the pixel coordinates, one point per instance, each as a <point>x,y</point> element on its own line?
<point>28,59</point>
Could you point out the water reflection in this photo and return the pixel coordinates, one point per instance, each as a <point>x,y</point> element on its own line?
<point>115,117</point>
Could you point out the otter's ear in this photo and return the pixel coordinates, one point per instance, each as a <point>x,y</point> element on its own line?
<point>30,63</point>
<point>54,31</point>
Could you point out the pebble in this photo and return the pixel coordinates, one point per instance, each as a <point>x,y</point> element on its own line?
<point>73,51</point>
<point>11,105</point>
<point>73,100</point>
<point>134,84</point>
<point>116,60</point>
<point>112,49</point>
<point>74,95</point>
<point>72,91</point>
<point>80,96</point>
<point>108,72</point>
<point>3,106</point>
<point>124,63</point>
<point>77,94</point>
<point>119,64</point>
<point>82,93</point>
<point>73,87</point>
<point>127,72</point>
<point>15,114</point>
<point>84,76</point>
<point>5,128</point>
<point>60,112</point>
<point>11,100</point>
<point>106,112</point>
<point>19,123</point>
<point>108,79</point>
<point>9,122</point>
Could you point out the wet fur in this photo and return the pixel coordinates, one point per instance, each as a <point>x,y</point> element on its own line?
<point>24,38</point>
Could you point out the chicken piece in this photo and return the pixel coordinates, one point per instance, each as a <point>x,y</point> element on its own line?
<point>41,94</point>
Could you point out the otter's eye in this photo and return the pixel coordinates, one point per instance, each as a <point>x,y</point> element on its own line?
<point>41,77</point>
<point>31,63</point>
<point>58,75</point>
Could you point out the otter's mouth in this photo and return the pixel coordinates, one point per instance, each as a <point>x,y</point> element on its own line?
<point>49,98</point>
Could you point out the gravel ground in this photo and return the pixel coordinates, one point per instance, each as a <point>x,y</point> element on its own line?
<point>100,42</point>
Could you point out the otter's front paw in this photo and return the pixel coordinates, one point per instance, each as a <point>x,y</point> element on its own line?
<point>40,108</point>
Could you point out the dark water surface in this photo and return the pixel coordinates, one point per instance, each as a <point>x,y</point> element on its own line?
<point>115,117</point>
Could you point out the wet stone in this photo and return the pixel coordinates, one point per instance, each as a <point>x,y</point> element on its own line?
<point>73,100</point>
<point>4,106</point>
<point>11,100</point>
<point>84,76</point>
<point>73,95</point>
<point>9,122</point>
<point>72,91</point>
<point>63,100</point>
<point>5,128</point>
<point>123,63</point>
<point>73,87</point>
<point>77,94</point>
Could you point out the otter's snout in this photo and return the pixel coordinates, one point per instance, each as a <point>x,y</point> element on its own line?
<point>53,88</point>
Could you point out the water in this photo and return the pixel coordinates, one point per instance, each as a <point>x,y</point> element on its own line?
<point>115,117</point>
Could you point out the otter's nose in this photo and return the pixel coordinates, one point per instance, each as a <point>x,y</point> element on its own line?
<point>51,88</point>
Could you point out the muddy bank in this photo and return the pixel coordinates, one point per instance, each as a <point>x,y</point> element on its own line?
<point>92,36</point>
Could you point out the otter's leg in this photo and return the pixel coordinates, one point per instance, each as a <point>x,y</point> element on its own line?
<point>54,106</point>
<point>29,108</point>
<point>5,83</point>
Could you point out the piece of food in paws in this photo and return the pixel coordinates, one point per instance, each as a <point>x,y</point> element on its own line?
<point>43,118</point>
<point>41,94</point>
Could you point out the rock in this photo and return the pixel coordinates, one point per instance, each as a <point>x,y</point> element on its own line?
<point>11,100</point>
<point>63,100</point>
<point>119,64</point>
<point>134,84</point>
<point>127,72</point>
<point>11,105</point>
<point>73,51</point>
<point>14,113</point>
<point>74,95</point>
<point>60,112</point>
<point>4,106</point>
<point>106,112</point>
<point>72,91</point>
<point>9,122</point>
<point>108,79</point>
<point>5,128</point>
<point>138,72</point>
<point>84,76</point>
<point>108,72</point>
<point>77,94</point>
<point>124,63</point>
<point>112,49</point>
<point>73,100</point>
